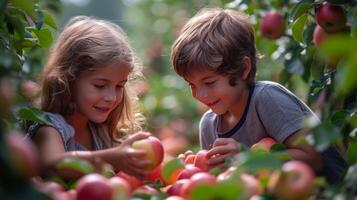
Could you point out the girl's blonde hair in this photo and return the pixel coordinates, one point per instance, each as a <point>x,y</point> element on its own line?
<point>86,44</point>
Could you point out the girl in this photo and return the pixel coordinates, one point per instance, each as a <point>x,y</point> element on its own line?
<point>84,93</point>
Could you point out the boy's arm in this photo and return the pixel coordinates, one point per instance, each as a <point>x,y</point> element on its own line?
<point>304,152</point>
<point>51,151</point>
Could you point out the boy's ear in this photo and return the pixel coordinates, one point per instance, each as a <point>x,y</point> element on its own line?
<point>247,65</point>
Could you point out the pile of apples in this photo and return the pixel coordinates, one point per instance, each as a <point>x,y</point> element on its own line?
<point>295,180</point>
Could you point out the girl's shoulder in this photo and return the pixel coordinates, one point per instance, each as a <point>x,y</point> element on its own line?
<point>55,121</point>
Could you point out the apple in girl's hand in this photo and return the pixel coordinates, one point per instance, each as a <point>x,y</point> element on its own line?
<point>121,188</point>
<point>153,148</point>
<point>295,181</point>
<point>201,160</point>
<point>94,186</point>
<point>265,144</point>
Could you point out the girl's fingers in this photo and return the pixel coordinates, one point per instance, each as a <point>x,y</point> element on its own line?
<point>136,136</point>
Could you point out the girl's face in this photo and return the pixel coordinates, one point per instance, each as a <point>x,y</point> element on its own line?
<point>214,90</point>
<point>98,93</point>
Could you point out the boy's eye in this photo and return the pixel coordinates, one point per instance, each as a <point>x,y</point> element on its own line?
<point>98,86</point>
<point>210,83</point>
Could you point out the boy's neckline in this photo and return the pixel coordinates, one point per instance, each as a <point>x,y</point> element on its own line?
<point>239,124</point>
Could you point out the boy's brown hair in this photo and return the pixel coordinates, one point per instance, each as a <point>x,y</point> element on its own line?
<point>215,39</point>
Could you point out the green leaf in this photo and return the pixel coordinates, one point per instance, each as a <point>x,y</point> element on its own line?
<point>346,80</point>
<point>35,115</point>
<point>298,28</point>
<point>170,167</point>
<point>83,166</point>
<point>299,9</point>
<point>339,118</point>
<point>28,6</point>
<point>256,161</point>
<point>49,20</point>
<point>324,135</point>
<point>352,152</point>
<point>19,27</point>
<point>223,191</point>
<point>339,45</point>
<point>44,36</point>
<point>40,19</point>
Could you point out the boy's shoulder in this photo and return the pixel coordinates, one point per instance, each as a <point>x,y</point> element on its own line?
<point>269,88</point>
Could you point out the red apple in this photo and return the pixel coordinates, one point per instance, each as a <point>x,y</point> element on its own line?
<point>251,186</point>
<point>153,148</point>
<point>175,198</point>
<point>24,155</point>
<point>190,159</point>
<point>202,178</point>
<point>265,144</point>
<point>331,17</point>
<point>188,171</point>
<point>295,181</point>
<point>175,188</point>
<point>121,188</point>
<point>145,190</point>
<point>272,25</point>
<point>319,36</point>
<point>226,174</point>
<point>133,182</point>
<point>94,186</point>
<point>201,160</point>
<point>155,175</point>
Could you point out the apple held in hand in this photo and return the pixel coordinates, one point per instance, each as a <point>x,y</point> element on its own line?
<point>294,182</point>
<point>272,25</point>
<point>94,186</point>
<point>153,148</point>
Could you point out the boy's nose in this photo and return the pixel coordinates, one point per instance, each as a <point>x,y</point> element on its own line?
<point>201,93</point>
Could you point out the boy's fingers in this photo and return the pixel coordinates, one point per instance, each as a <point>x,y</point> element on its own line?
<point>219,150</point>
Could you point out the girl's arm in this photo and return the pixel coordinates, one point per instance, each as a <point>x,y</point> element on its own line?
<point>303,152</point>
<point>122,157</point>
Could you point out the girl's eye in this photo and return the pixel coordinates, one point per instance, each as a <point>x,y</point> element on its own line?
<point>119,86</point>
<point>210,83</point>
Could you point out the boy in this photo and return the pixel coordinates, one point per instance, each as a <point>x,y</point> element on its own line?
<point>215,53</point>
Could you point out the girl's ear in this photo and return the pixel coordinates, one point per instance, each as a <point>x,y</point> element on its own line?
<point>247,65</point>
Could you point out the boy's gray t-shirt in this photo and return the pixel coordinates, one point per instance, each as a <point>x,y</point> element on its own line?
<point>101,139</point>
<point>272,111</point>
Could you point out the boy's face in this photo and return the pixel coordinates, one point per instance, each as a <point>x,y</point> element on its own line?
<point>98,93</point>
<point>214,90</point>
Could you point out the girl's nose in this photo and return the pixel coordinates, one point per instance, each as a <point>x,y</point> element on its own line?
<point>110,95</point>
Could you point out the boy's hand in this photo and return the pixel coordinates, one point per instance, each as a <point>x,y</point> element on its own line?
<point>222,149</point>
<point>130,159</point>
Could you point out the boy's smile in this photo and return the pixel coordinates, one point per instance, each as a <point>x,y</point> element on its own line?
<point>214,90</point>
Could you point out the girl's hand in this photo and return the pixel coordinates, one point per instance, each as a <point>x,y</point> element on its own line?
<point>129,159</point>
<point>222,149</point>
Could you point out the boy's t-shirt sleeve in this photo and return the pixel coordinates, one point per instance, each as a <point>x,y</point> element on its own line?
<point>207,130</point>
<point>281,112</point>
